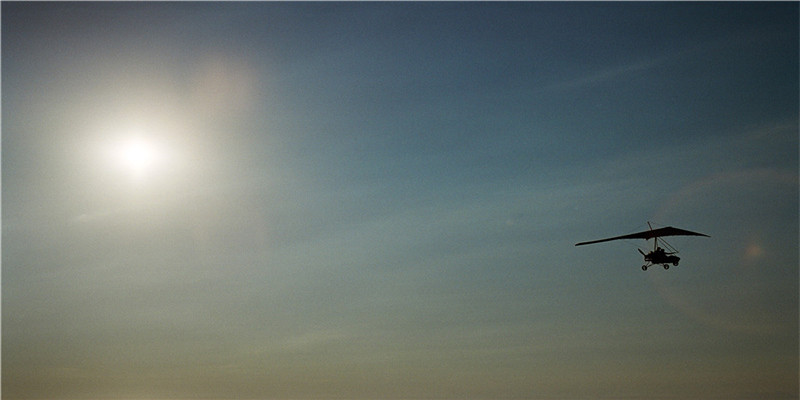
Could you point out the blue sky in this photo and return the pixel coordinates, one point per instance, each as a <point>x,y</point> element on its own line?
<point>381,200</point>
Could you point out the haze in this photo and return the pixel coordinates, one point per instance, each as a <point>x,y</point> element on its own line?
<point>381,200</point>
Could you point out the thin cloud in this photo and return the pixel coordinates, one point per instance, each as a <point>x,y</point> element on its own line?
<point>603,76</point>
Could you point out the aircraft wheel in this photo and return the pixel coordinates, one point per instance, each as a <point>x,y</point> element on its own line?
<point>644,267</point>
<point>666,266</point>
<point>675,263</point>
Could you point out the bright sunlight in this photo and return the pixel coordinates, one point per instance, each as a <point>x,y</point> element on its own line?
<point>137,156</point>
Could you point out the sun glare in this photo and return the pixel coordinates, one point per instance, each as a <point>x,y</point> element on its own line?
<point>137,156</point>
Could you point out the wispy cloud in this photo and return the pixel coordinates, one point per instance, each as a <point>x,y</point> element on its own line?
<point>631,67</point>
<point>594,78</point>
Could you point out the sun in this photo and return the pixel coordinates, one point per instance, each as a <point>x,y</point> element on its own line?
<point>137,156</point>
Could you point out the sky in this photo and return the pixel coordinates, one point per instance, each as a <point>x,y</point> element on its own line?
<point>381,200</point>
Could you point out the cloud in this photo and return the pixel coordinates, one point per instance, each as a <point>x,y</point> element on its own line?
<point>599,77</point>
<point>628,69</point>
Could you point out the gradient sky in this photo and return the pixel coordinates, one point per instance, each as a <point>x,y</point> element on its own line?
<point>381,200</point>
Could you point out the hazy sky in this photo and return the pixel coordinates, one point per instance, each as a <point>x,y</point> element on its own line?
<point>381,200</point>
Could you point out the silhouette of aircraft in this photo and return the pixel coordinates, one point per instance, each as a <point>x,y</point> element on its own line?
<point>658,255</point>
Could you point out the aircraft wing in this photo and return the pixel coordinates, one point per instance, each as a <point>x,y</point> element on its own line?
<point>668,231</point>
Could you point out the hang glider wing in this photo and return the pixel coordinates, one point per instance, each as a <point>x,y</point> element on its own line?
<point>668,231</point>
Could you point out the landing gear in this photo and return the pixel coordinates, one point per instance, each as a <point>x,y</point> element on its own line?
<point>666,266</point>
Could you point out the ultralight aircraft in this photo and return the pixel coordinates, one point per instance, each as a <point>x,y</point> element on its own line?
<point>658,255</point>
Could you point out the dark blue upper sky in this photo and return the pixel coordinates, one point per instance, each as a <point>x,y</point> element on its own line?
<point>381,200</point>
